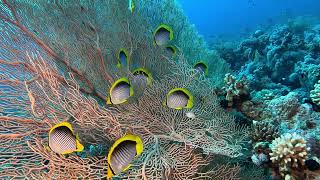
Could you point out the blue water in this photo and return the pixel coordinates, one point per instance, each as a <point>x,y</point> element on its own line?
<point>230,17</point>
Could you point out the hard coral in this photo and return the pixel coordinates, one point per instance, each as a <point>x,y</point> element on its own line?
<point>314,144</point>
<point>315,94</point>
<point>235,89</point>
<point>289,153</point>
<point>281,51</point>
<point>259,159</point>
<point>265,131</point>
<point>285,107</point>
<point>261,152</point>
<point>251,110</point>
<point>262,134</point>
<point>308,71</point>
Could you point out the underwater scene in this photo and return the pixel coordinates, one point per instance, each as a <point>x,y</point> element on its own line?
<point>159,89</point>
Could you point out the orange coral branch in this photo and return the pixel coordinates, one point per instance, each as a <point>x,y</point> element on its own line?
<point>53,54</point>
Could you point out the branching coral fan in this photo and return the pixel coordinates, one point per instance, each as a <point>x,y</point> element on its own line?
<point>58,60</point>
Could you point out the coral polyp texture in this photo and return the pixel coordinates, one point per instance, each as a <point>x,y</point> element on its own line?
<point>290,151</point>
<point>315,93</point>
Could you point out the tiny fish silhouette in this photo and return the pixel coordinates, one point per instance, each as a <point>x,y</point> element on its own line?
<point>123,58</point>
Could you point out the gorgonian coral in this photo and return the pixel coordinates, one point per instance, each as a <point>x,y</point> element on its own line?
<point>159,126</point>
<point>59,64</point>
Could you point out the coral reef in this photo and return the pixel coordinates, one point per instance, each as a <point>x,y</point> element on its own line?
<point>235,90</point>
<point>265,131</point>
<point>281,67</point>
<point>262,134</point>
<point>278,58</point>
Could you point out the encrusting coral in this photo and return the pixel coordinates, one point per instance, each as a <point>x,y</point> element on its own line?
<point>284,107</point>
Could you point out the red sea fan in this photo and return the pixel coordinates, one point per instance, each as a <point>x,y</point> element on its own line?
<point>57,63</point>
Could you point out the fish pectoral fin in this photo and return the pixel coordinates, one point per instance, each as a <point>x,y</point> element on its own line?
<point>47,148</point>
<point>79,146</point>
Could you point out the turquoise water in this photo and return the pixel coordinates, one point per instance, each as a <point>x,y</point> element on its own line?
<point>160,89</point>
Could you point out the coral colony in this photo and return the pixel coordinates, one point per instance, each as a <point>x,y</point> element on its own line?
<point>276,86</point>
<point>118,89</point>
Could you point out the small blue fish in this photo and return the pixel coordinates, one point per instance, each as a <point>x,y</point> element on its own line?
<point>122,58</point>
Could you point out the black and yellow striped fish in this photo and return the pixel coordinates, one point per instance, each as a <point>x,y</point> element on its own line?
<point>122,153</point>
<point>179,98</point>
<point>201,67</point>
<point>123,58</point>
<point>162,35</point>
<point>142,77</point>
<point>120,91</point>
<point>62,139</point>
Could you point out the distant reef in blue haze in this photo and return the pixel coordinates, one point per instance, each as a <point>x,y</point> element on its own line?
<point>234,17</point>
